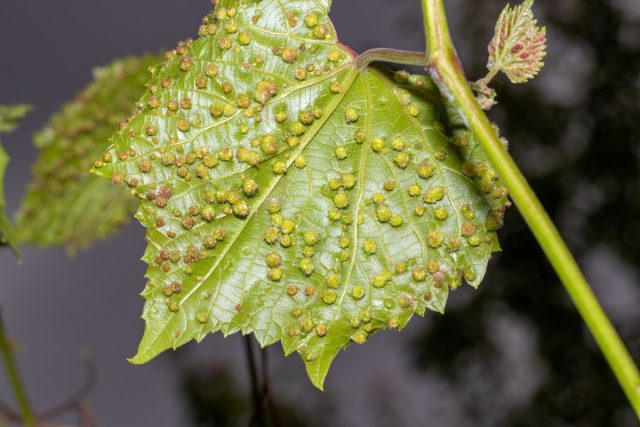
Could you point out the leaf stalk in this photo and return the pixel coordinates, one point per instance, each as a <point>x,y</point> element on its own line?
<point>405,57</point>
<point>446,70</point>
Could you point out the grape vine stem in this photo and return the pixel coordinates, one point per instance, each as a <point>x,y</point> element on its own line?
<point>445,68</point>
<point>19,392</point>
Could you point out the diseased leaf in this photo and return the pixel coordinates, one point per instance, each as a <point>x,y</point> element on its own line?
<point>65,204</point>
<point>519,44</point>
<point>9,118</point>
<point>288,194</point>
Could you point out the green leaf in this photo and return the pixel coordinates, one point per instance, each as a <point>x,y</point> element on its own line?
<point>519,44</point>
<point>9,118</point>
<point>65,204</point>
<point>288,194</point>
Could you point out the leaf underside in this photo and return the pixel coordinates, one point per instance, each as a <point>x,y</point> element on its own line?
<point>64,204</point>
<point>9,118</point>
<point>288,194</point>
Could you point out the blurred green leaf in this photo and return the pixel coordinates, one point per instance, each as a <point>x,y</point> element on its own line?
<point>9,118</point>
<point>65,204</point>
<point>289,194</point>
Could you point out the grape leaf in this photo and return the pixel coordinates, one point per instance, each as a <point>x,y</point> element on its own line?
<point>518,45</point>
<point>64,204</point>
<point>289,194</point>
<point>9,118</point>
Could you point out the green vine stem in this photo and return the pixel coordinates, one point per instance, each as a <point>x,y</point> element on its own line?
<point>14,377</point>
<point>447,72</point>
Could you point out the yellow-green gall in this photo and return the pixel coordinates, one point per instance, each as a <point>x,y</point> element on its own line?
<point>340,200</point>
<point>300,73</point>
<point>310,237</point>
<point>377,145</point>
<point>297,128</point>
<point>281,116</point>
<point>441,214</point>
<point>271,235</point>
<point>286,241</point>
<point>275,274</point>
<point>413,110</point>
<point>435,239</point>
<point>474,240</point>
<point>351,115</point>
<point>273,259</point>
<point>306,266</point>
<point>419,274</point>
<point>341,153</point>
<point>401,267</point>
<point>402,159</point>
<point>434,195</point>
<point>320,32</point>
<point>425,170</point>
<point>250,187</point>
<point>414,190</point>
<point>335,87</point>
<point>334,215</point>
<point>334,55</point>
<point>202,317</point>
<point>244,38</point>
<point>398,144</point>
<point>383,213</point>
<point>433,266</point>
<point>184,125</point>
<point>288,225</point>
<point>377,199</point>
<point>359,337</point>
<point>293,141</point>
<point>279,167</point>
<point>269,144</point>
<point>379,281</point>
<point>296,312</point>
<point>370,246</point>
<point>311,20</point>
<point>395,221</point>
<point>332,280</point>
<point>329,296</point>
<point>348,181</point>
<point>358,292</point>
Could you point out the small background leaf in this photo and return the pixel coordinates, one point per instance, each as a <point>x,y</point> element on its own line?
<point>288,194</point>
<point>9,118</point>
<point>65,204</point>
<point>519,44</point>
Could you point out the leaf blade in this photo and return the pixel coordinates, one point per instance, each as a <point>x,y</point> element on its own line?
<point>314,210</point>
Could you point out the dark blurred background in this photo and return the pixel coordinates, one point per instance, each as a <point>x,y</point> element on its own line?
<point>514,353</point>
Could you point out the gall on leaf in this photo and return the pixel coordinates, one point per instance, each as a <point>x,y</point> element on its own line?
<point>65,205</point>
<point>518,45</point>
<point>296,196</point>
<point>9,118</point>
